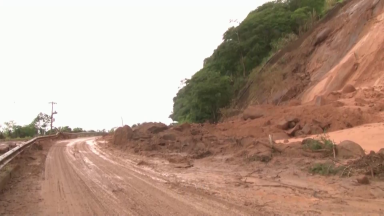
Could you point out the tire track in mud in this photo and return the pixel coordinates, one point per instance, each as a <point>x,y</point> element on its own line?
<point>79,180</point>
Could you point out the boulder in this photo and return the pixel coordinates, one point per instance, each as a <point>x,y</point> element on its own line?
<point>316,129</point>
<point>306,129</point>
<point>362,179</point>
<point>349,149</point>
<point>381,151</point>
<point>122,135</point>
<point>323,124</point>
<point>348,89</point>
<point>253,113</point>
<point>283,124</point>
<point>322,35</point>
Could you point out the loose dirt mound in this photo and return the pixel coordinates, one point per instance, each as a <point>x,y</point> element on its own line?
<point>122,135</point>
<point>371,164</point>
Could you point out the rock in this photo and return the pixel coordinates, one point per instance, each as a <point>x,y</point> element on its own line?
<point>286,141</point>
<point>315,129</point>
<point>381,151</point>
<point>292,131</point>
<point>322,124</point>
<point>320,101</point>
<point>280,136</point>
<point>287,122</point>
<point>362,179</point>
<point>306,129</point>
<point>283,124</point>
<point>122,134</point>
<point>159,127</point>
<point>253,113</point>
<point>348,89</point>
<point>349,149</point>
<point>321,36</point>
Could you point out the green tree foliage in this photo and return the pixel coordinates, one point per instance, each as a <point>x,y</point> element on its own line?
<point>41,122</point>
<point>12,130</point>
<point>202,97</point>
<point>78,130</point>
<point>243,48</point>
<point>65,129</point>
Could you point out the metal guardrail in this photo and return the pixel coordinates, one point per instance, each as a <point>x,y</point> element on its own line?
<point>9,155</point>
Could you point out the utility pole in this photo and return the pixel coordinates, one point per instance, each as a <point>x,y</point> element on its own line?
<point>52,113</point>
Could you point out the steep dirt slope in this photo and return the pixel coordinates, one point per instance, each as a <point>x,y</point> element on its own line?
<point>344,48</point>
<point>352,53</point>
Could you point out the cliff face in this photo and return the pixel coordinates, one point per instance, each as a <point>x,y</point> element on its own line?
<point>344,48</point>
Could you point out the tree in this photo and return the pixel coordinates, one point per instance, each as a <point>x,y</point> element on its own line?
<point>243,48</point>
<point>41,122</point>
<point>77,130</point>
<point>65,129</point>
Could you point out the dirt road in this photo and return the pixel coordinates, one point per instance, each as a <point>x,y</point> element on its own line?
<point>81,180</point>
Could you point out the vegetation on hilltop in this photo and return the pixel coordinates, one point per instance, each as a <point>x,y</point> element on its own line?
<point>244,47</point>
<point>39,126</point>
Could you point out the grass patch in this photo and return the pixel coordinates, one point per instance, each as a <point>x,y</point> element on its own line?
<point>322,142</point>
<point>325,169</point>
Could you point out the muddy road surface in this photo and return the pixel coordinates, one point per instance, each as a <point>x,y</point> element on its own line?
<point>81,180</point>
<point>87,176</point>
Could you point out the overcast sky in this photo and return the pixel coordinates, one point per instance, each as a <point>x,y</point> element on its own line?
<point>101,60</point>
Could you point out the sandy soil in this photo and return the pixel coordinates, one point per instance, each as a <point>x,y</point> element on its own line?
<point>369,136</point>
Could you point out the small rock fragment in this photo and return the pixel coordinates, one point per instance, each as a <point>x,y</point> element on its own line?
<point>348,89</point>
<point>362,179</point>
